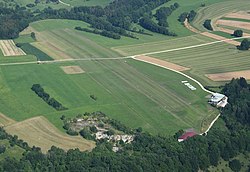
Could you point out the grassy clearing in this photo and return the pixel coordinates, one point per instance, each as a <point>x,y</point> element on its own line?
<point>43,134</point>
<point>16,59</point>
<point>67,43</point>
<point>217,10</point>
<point>216,58</point>
<point>11,152</point>
<point>134,93</point>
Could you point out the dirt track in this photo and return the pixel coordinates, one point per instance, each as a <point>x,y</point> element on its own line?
<point>162,63</point>
<point>229,75</point>
<point>189,27</point>
<point>236,24</point>
<point>217,37</point>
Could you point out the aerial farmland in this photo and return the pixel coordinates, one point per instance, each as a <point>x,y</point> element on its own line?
<point>72,70</point>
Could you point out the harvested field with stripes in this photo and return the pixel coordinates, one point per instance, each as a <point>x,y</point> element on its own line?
<point>9,48</point>
<point>229,75</point>
<point>40,132</point>
<point>232,23</point>
<point>5,121</point>
<point>239,15</point>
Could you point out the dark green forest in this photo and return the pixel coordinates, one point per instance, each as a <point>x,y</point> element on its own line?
<point>116,19</point>
<point>152,153</point>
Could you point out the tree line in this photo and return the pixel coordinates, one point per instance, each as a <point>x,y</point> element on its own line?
<point>37,88</point>
<point>98,32</point>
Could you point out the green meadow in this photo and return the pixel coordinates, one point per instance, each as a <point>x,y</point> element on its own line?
<point>134,93</point>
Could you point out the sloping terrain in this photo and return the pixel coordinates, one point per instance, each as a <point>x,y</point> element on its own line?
<point>41,133</point>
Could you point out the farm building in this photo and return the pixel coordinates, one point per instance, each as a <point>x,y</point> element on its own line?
<point>186,135</point>
<point>218,100</point>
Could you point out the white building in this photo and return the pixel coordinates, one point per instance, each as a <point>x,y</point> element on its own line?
<point>219,100</point>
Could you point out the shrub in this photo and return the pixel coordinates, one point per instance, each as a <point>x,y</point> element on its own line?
<point>86,134</point>
<point>235,165</point>
<point>245,44</point>
<point>207,25</point>
<point>238,33</point>
<point>72,132</point>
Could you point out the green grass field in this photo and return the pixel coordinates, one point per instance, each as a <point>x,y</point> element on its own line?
<point>135,93</point>
<point>48,26</point>
<point>162,45</point>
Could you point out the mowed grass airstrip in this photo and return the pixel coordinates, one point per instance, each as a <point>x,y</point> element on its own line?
<point>135,93</point>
